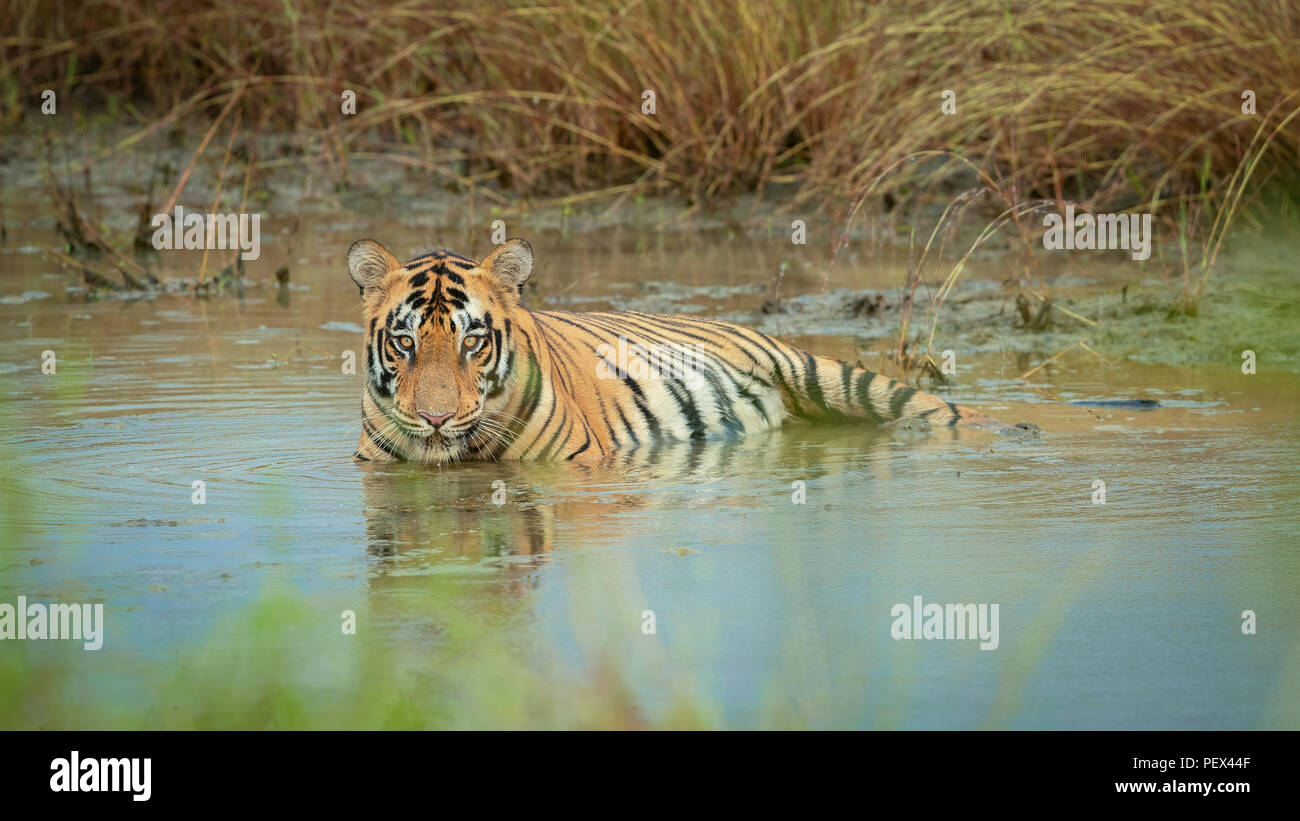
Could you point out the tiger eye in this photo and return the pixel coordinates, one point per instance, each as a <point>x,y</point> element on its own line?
<point>405,341</point>
<point>470,342</point>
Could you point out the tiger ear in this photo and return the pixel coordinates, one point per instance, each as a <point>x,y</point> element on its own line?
<point>511,262</point>
<point>369,262</point>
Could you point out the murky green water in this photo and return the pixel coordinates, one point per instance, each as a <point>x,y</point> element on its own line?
<point>531,612</point>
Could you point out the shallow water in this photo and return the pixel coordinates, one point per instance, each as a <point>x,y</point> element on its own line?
<point>1123,615</point>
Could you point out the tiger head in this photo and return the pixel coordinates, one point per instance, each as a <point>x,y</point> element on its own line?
<point>439,343</point>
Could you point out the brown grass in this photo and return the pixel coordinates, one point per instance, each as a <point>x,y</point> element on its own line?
<point>1107,103</point>
<point>1057,97</point>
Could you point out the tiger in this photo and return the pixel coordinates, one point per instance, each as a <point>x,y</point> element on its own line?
<point>457,369</point>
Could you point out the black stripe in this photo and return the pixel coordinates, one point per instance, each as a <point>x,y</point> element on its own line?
<point>564,422</point>
<point>638,399</point>
<point>956,415</point>
<point>585,445</point>
<point>627,426</point>
<point>529,400</point>
<point>900,398</point>
<point>861,391</point>
<point>812,384</point>
<point>686,404</point>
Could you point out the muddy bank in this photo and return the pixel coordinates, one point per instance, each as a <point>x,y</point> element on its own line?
<point>733,259</point>
<point>1253,304</point>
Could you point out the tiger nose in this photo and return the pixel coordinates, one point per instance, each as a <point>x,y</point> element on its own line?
<point>435,419</point>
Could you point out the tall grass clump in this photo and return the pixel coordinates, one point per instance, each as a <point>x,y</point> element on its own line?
<point>1107,103</point>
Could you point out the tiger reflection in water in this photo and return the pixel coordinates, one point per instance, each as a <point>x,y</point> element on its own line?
<point>420,521</point>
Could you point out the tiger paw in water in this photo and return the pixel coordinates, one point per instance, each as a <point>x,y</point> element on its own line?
<point>909,428</point>
<point>1024,432</point>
